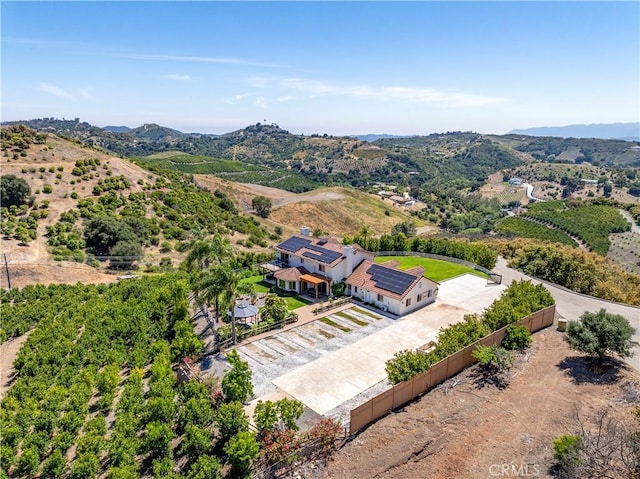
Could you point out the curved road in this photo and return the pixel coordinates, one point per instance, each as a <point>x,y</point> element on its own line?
<point>570,305</point>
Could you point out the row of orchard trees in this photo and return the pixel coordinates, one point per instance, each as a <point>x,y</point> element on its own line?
<point>95,393</point>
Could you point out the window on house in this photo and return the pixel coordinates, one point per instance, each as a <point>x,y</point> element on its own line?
<point>355,288</point>
<point>380,298</point>
<point>419,298</point>
<point>407,302</point>
<point>292,285</point>
<point>429,293</point>
<point>302,260</point>
<point>281,283</point>
<point>321,267</point>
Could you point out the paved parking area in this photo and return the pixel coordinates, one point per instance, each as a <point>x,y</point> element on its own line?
<point>325,367</point>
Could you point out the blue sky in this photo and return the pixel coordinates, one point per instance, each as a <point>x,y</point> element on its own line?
<point>323,67</point>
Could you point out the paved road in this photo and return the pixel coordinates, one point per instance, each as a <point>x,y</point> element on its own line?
<point>634,227</point>
<point>570,305</point>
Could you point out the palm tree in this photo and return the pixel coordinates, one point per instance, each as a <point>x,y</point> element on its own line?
<point>221,283</point>
<point>204,253</point>
<point>365,232</point>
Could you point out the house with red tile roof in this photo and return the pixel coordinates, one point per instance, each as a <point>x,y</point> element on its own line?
<point>387,287</point>
<point>305,264</point>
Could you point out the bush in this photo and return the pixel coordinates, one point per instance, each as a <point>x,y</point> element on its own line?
<point>493,358</point>
<point>517,337</point>
<point>601,334</point>
<point>566,451</point>
<point>406,364</point>
<point>242,450</point>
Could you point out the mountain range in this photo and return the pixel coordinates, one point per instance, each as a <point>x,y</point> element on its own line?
<point>617,131</point>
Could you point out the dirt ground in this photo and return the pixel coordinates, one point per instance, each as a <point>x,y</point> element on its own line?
<point>466,430</point>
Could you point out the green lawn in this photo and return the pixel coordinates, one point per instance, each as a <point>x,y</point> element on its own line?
<point>348,317</point>
<point>434,269</point>
<point>259,285</point>
<point>295,302</point>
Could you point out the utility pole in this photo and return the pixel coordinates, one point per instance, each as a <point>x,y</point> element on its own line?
<point>6,267</point>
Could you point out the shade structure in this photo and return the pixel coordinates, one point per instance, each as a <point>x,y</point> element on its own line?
<point>244,310</point>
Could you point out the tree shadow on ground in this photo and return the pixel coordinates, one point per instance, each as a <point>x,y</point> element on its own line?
<point>586,370</point>
<point>483,378</point>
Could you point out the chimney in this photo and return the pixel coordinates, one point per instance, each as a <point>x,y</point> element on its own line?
<point>305,231</point>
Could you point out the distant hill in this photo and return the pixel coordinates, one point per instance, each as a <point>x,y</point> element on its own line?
<point>617,131</point>
<point>373,137</point>
<point>117,129</point>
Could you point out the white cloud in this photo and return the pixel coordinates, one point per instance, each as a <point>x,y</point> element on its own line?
<point>261,102</point>
<point>53,90</point>
<point>242,96</point>
<point>409,94</point>
<point>196,59</point>
<point>173,76</point>
<point>282,99</point>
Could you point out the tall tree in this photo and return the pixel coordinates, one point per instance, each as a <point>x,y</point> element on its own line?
<point>205,253</point>
<point>224,284</point>
<point>601,334</point>
<point>13,190</point>
<point>262,205</point>
<point>365,233</point>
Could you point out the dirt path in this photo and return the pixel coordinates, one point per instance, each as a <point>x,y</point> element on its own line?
<point>8,352</point>
<point>468,431</point>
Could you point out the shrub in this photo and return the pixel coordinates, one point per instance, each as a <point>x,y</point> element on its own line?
<point>242,450</point>
<point>517,337</point>
<point>493,358</point>
<point>406,364</point>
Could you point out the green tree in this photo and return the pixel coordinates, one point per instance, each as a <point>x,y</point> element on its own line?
<point>236,383</point>
<point>13,191</point>
<point>601,334</point>
<point>206,467</point>
<point>158,439</point>
<point>408,227</point>
<point>262,205</point>
<point>125,253</point>
<point>365,233</point>
<point>104,232</point>
<point>275,309</point>
<point>28,462</point>
<point>493,359</point>
<point>270,416</point>
<point>205,253</point>
<point>242,450</point>
<point>222,284</point>
<point>196,442</point>
<point>231,419</point>
<point>54,465</point>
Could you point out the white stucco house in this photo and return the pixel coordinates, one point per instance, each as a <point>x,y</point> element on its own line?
<point>391,289</point>
<point>305,264</point>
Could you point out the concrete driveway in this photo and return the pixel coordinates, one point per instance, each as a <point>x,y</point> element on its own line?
<point>338,376</point>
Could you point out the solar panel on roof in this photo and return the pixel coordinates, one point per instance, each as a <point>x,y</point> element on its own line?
<point>294,243</point>
<point>325,256</point>
<point>390,279</point>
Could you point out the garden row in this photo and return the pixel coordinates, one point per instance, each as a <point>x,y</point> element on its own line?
<point>592,223</point>
<point>515,226</point>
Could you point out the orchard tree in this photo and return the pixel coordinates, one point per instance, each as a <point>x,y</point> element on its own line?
<point>236,384</point>
<point>241,451</point>
<point>601,334</point>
